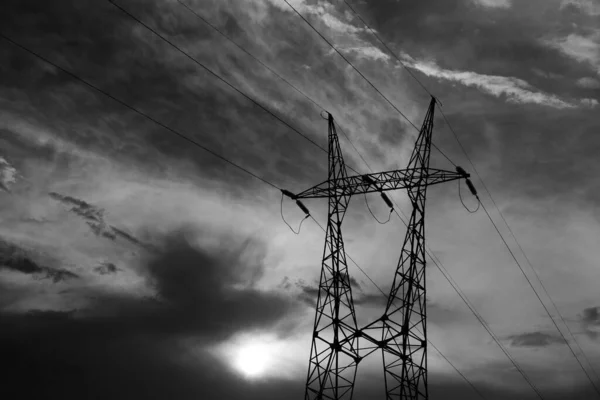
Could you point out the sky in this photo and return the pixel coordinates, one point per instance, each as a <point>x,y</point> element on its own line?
<point>134,265</point>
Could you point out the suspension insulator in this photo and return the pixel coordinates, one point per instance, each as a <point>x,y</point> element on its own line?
<point>387,200</point>
<point>303,207</point>
<point>471,187</point>
<point>461,171</point>
<point>368,179</point>
<point>288,193</point>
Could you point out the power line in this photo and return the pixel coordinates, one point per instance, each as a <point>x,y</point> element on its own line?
<point>539,298</point>
<point>132,108</point>
<point>428,340</point>
<point>481,320</point>
<point>526,257</point>
<point>200,17</point>
<point>256,102</point>
<point>364,77</point>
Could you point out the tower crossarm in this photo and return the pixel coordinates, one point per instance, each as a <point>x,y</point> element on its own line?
<point>379,182</point>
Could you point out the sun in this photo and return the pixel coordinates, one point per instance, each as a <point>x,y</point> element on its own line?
<point>262,355</point>
<point>253,359</point>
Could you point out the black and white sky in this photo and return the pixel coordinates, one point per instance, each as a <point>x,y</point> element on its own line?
<point>134,265</point>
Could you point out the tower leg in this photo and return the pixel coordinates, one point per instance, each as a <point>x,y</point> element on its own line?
<point>404,331</point>
<point>334,351</point>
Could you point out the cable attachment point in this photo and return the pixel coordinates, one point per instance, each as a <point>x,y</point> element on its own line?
<point>327,114</point>
<point>368,180</point>
<point>461,171</point>
<point>289,194</point>
<point>302,207</point>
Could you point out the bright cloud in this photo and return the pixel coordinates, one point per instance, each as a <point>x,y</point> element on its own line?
<point>516,90</point>
<point>585,49</point>
<point>368,52</point>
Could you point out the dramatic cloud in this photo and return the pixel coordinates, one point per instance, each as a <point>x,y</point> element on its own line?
<point>203,296</point>
<point>181,318</point>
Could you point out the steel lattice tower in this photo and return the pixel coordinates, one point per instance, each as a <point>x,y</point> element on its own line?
<point>402,330</point>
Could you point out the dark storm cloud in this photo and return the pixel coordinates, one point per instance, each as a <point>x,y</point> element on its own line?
<point>71,358</point>
<point>127,347</point>
<point>533,339</point>
<point>14,258</point>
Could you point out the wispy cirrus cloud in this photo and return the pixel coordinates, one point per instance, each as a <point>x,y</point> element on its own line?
<point>324,11</point>
<point>368,52</point>
<point>94,217</point>
<point>516,90</point>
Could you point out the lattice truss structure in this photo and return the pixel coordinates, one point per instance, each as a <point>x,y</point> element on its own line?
<point>338,344</point>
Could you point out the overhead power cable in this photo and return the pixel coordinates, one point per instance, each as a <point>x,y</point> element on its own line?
<point>201,18</point>
<point>132,108</point>
<point>477,315</point>
<point>428,340</point>
<point>540,299</point>
<point>364,77</point>
<point>283,79</point>
<point>210,71</point>
<point>187,55</point>
<point>526,258</point>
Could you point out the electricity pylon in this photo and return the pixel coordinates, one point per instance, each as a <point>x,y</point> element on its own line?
<point>335,352</point>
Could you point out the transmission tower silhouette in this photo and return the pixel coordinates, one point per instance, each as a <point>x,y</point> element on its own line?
<point>401,331</point>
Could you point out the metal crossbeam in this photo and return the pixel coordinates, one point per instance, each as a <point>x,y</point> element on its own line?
<point>379,182</point>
